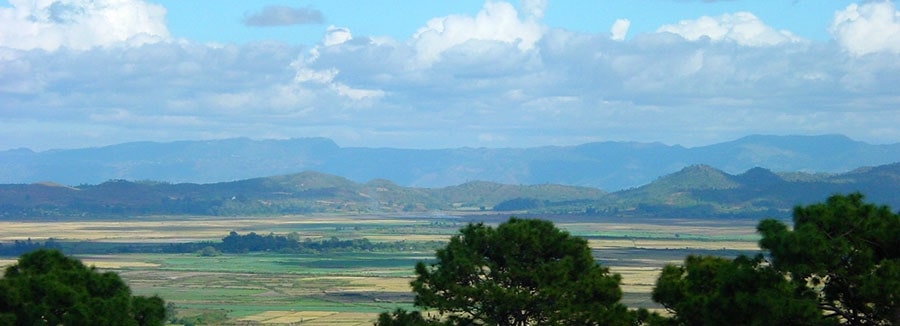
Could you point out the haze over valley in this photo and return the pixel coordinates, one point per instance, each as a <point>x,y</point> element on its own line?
<point>775,174</point>
<point>609,166</point>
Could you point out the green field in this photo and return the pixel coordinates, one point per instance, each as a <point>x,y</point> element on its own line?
<point>349,288</point>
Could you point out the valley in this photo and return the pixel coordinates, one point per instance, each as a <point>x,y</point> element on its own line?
<point>348,287</point>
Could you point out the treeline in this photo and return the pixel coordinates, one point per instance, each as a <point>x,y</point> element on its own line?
<point>250,242</point>
<point>141,206</point>
<point>234,243</point>
<point>19,247</point>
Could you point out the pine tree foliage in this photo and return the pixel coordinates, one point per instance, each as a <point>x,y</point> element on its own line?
<point>47,288</point>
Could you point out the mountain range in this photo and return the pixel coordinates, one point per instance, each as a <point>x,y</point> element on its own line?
<point>610,166</point>
<point>695,191</point>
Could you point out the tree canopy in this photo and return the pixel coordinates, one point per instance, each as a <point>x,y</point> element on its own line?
<point>709,290</point>
<point>523,272</point>
<point>47,288</point>
<point>846,250</point>
<point>840,264</point>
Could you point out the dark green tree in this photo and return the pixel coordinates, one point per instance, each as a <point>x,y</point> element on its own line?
<point>148,310</point>
<point>523,272</point>
<point>847,251</point>
<point>47,288</point>
<point>709,290</point>
<point>402,317</point>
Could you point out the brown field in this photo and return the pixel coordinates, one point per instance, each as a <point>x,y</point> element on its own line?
<point>270,288</point>
<point>169,229</point>
<point>361,283</point>
<point>324,318</point>
<point>671,244</point>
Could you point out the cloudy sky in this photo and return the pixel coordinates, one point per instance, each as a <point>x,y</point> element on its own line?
<point>446,73</point>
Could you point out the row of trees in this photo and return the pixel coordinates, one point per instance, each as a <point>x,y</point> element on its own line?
<point>232,243</point>
<point>19,247</point>
<point>840,264</point>
<point>238,243</point>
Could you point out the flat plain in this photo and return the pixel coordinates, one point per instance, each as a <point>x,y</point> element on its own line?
<point>350,288</point>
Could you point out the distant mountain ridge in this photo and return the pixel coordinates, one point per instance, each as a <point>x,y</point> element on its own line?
<point>606,165</point>
<point>697,191</point>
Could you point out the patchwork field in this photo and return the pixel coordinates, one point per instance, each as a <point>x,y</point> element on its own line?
<point>348,288</point>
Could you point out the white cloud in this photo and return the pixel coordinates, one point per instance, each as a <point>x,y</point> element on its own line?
<point>498,78</point>
<point>283,16</point>
<point>619,29</point>
<point>868,28</point>
<point>80,24</point>
<point>305,74</point>
<point>534,9</point>
<point>336,35</point>
<point>497,21</point>
<point>743,28</point>
<point>357,93</point>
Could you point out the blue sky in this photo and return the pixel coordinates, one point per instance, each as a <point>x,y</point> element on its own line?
<point>437,74</point>
<point>399,19</point>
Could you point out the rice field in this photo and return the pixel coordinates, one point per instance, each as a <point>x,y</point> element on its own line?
<point>349,288</point>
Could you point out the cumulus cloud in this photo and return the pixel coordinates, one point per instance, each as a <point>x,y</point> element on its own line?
<point>80,24</point>
<point>308,72</point>
<point>497,21</point>
<point>868,28</point>
<point>497,78</point>
<point>619,29</point>
<point>743,28</point>
<point>283,16</point>
<point>336,35</point>
<point>534,9</point>
<point>583,83</point>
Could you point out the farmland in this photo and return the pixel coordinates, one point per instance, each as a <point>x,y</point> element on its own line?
<point>346,287</point>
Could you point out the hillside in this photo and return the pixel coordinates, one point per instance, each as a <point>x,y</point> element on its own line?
<point>307,192</point>
<point>694,191</point>
<point>704,191</point>
<point>610,166</point>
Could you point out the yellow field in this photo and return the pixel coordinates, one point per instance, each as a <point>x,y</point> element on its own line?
<point>169,229</point>
<point>637,279</point>
<point>330,318</point>
<point>408,237</point>
<point>329,294</point>
<point>671,244</point>
<point>145,231</point>
<point>359,283</point>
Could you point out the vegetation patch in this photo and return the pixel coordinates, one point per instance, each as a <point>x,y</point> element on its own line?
<point>352,285</point>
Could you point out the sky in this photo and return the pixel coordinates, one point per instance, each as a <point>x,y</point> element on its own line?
<point>446,73</point>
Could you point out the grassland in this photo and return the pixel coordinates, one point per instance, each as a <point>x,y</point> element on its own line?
<point>350,288</point>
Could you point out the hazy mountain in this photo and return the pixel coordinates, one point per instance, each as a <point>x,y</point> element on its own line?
<point>694,191</point>
<point>605,165</point>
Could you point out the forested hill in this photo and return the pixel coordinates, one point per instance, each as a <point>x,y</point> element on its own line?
<point>307,192</point>
<point>695,191</point>
<point>606,165</point>
<point>701,190</point>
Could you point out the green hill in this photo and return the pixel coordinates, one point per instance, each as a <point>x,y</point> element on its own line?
<point>705,191</point>
<point>307,192</point>
<point>695,191</point>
